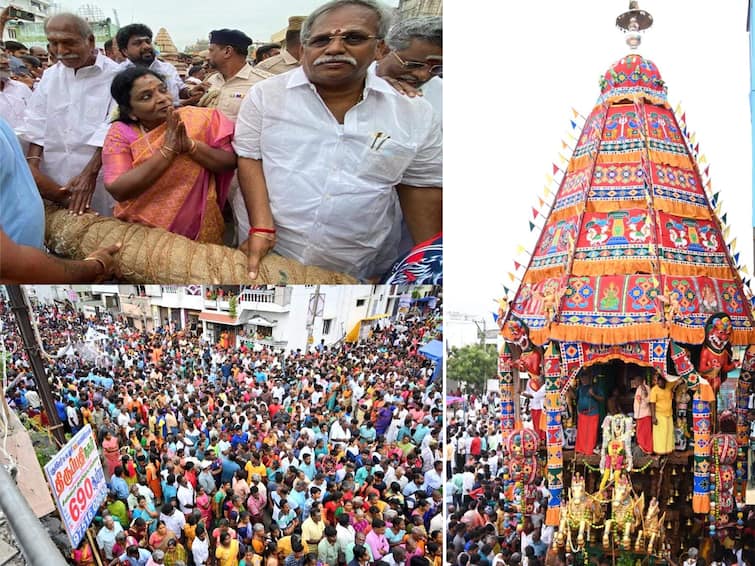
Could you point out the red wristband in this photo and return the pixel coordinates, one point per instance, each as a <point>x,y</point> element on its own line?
<point>252,230</point>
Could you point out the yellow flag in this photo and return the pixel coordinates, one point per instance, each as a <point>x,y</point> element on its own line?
<point>745,270</point>
<point>733,245</point>
<point>678,109</point>
<point>726,232</point>
<point>541,201</point>
<point>718,208</point>
<point>549,178</point>
<point>702,160</point>
<point>520,249</point>
<point>511,276</point>
<point>547,192</point>
<point>692,138</point>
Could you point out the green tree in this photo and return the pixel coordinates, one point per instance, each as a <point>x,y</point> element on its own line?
<point>232,304</point>
<point>473,364</point>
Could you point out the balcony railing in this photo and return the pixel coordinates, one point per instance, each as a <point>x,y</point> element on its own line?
<point>254,296</point>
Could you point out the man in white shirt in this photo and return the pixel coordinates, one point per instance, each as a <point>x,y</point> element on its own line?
<point>66,119</point>
<point>13,94</point>
<point>361,155</point>
<point>185,496</point>
<point>135,43</point>
<point>200,548</point>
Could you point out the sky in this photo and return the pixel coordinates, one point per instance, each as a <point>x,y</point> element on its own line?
<point>509,91</point>
<point>189,20</point>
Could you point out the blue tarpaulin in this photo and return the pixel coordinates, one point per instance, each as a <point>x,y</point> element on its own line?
<point>433,350</point>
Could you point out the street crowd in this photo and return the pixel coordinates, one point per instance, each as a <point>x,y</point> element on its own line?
<point>244,455</point>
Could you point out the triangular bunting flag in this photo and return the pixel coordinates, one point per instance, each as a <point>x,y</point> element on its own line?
<point>718,209</point>
<point>697,148</point>
<point>692,139</point>
<point>574,112</point>
<point>540,201</point>
<point>517,265</point>
<point>684,118</point>
<point>520,249</point>
<point>736,258</point>
<point>733,244</point>
<point>702,160</point>
<point>726,232</point>
<point>571,137</point>
<point>534,212</point>
<point>495,316</point>
<point>714,199</point>
<point>573,124</point>
<point>564,145</point>
<point>746,271</point>
<point>707,170</point>
<point>511,276</point>
<point>547,192</point>
<point>723,218</point>
<point>555,169</point>
<point>549,178</point>
<point>532,226</point>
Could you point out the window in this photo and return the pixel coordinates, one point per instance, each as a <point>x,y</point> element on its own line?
<point>326,323</point>
<point>360,302</point>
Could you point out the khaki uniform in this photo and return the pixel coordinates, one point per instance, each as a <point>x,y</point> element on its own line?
<point>278,64</point>
<point>232,91</point>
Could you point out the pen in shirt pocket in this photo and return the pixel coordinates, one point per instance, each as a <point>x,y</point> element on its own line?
<point>378,141</point>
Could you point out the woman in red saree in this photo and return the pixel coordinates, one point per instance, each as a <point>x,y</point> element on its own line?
<point>165,167</point>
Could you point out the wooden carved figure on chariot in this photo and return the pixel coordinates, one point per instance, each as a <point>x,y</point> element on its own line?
<point>626,514</point>
<point>531,357</point>
<point>654,528</point>
<point>616,454</point>
<point>715,356</point>
<point>578,514</point>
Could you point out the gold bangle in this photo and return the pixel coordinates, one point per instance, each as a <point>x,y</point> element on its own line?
<point>33,157</point>
<point>98,260</point>
<point>162,152</point>
<point>168,148</point>
<point>193,149</point>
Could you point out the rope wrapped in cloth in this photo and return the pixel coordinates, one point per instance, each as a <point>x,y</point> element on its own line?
<point>154,255</point>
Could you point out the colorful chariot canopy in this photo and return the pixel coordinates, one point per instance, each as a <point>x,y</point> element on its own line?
<point>632,248</point>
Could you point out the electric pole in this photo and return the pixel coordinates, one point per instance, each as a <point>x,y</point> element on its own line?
<point>314,305</point>
<point>23,321</point>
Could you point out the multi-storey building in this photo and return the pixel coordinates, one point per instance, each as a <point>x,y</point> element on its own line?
<point>284,317</point>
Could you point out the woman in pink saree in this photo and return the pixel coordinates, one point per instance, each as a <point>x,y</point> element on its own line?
<point>112,452</point>
<point>165,167</point>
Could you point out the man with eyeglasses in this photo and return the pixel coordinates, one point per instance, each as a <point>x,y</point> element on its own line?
<point>364,156</point>
<point>415,56</point>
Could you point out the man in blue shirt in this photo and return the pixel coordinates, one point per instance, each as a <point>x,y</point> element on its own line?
<point>230,467</point>
<point>118,485</point>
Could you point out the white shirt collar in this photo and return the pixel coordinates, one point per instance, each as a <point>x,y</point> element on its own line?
<point>297,77</point>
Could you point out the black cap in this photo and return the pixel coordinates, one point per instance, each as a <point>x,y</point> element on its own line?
<point>230,37</point>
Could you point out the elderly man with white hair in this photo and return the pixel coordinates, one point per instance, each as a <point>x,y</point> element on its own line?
<point>415,56</point>
<point>66,119</point>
